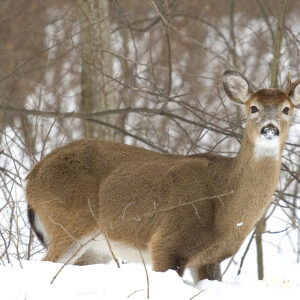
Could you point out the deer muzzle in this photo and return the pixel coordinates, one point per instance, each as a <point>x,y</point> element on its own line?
<point>269,131</point>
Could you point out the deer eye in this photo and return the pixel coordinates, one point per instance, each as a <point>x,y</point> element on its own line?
<point>286,110</point>
<point>253,109</point>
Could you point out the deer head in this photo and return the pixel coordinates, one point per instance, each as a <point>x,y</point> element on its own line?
<point>268,111</point>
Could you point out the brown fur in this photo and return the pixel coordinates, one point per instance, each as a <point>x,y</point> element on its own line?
<point>165,203</point>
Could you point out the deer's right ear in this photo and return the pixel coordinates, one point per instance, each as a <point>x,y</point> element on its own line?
<point>236,87</point>
<point>295,96</point>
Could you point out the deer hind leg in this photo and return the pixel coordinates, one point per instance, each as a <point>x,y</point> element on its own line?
<point>80,252</point>
<point>66,249</point>
<point>63,250</point>
<point>89,258</point>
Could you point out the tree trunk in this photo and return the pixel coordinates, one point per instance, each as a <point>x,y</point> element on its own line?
<point>277,45</point>
<point>97,86</point>
<point>259,230</point>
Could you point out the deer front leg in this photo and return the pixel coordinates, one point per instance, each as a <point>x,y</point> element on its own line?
<point>165,257</point>
<point>209,271</point>
<point>161,262</point>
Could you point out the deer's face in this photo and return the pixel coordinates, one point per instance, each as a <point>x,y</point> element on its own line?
<point>268,112</point>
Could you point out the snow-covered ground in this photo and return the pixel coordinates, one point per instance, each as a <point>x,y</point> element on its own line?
<point>31,280</point>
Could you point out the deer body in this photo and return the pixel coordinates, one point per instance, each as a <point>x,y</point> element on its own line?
<point>90,200</point>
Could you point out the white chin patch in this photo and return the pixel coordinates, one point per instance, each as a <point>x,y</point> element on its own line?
<point>267,146</point>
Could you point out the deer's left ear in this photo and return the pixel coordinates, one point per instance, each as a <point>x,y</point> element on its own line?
<point>236,87</point>
<point>295,96</point>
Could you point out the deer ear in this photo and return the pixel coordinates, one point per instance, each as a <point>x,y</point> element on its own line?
<point>295,96</point>
<point>236,87</point>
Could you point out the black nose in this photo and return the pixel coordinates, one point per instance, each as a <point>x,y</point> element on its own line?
<point>269,131</point>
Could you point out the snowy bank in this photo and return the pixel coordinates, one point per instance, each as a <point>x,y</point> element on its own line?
<point>31,281</point>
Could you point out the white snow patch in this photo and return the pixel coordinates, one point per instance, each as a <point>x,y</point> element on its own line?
<point>32,282</point>
<point>239,224</point>
<point>266,289</point>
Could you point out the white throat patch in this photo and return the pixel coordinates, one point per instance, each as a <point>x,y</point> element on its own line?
<point>265,147</point>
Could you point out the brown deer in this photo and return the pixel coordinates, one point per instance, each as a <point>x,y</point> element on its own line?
<point>90,200</point>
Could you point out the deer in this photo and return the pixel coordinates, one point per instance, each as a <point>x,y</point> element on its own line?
<point>92,201</point>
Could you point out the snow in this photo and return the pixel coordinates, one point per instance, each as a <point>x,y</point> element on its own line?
<point>31,280</point>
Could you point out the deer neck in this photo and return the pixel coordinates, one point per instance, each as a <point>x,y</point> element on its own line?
<point>256,176</point>
<point>253,180</point>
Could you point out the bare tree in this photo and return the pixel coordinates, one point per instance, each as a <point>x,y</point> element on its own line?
<point>97,80</point>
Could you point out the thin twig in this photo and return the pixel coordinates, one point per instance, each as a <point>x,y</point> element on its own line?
<point>195,201</point>
<point>228,265</point>
<point>111,251</point>
<point>134,292</point>
<point>105,235</point>
<point>245,253</point>
<point>197,295</point>
<point>147,276</point>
